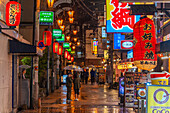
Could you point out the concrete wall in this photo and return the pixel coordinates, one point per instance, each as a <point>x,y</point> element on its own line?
<point>5,76</point>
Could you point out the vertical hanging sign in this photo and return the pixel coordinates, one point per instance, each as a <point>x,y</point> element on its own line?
<point>13,13</point>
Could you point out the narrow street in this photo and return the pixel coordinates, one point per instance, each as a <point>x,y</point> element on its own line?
<point>93,99</point>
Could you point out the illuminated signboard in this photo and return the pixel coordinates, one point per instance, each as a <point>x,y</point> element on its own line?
<point>95,44</point>
<point>57,33</point>
<point>46,17</point>
<point>104,34</point>
<point>66,45</point>
<point>158,100</point>
<point>118,18</point>
<point>62,39</point>
<point>69,50</point>
<point>127,44</point>
<point>73,52</point>
<point>143,0</point>
<point>117,40</point>
<point>13,13</point>
<point>130,54</point>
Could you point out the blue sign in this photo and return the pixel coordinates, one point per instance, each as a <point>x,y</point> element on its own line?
<point>64,78</point>
<point>104,34</point>
<point>121,86</point>
<point>117,40</point>
<point>130,54</point>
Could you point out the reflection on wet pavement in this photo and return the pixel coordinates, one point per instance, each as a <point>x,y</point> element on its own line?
<point>93,99</point>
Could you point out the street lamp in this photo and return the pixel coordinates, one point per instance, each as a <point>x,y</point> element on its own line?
<point>50,3</point>
<point>60,22</point>
<point>71,20</point>
<point>74,32</point>
<point>78,43</point>
<point>75,39</point>
<point>73,47</point>
<point>70,13</point>
<point>70,43</point>
<point>68,38</point>
<point>62,27</point>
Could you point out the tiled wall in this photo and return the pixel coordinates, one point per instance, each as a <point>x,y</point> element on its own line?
<point>5,76</point>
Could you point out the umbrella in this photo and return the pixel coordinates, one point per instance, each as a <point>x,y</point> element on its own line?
<point>86,68</point>
<point>24,66</point>
<point>78,69</point>
<point>71,67</point>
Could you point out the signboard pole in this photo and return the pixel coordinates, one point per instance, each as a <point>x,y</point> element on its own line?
<point>52,63</point>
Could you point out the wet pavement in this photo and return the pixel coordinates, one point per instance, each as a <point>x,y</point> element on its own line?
<point>93,99</point>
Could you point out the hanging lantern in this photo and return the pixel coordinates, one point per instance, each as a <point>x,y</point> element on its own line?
<point>50,3</point>
<point>73,47</point>
<point>68,38</point>
<point>47,38</point>
<point>62,27</point>
<point>66,54</point>
<point>55,47</point>
<point>75,39</point>
<point>70,43</point>
<point>71,20</point>
<point>144,44</point>
<point>74,32</point>
<point>72,59</point>
<point>69,57</point>
<point>70,14</point>
<point>60,50</point>
<point>78,43</point>
<point>60,22</point>
<point>13,13</point>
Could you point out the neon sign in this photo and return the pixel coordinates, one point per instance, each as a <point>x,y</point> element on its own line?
<point>118,18</point>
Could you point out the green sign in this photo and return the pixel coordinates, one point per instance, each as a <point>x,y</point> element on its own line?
<point>66,45</point>
<point>69,50</point>
<point>62,39</point>
<point>46,17</point>
<point>73,52</point>
<point>57,33</point>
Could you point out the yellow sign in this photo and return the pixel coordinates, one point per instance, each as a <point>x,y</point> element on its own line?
<point>106,54</point>
<point>158,100</point>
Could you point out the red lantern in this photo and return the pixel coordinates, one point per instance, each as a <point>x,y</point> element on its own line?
<point>13,13</point>
<point>55,47</point>
<point>66,54</point>
<point>144,44</point>
<point>47,37</point>
<point>69,57</point>
<point>72,59</point>
<point>60,50</point>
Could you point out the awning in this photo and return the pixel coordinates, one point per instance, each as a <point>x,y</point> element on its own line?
<point>19,48</point>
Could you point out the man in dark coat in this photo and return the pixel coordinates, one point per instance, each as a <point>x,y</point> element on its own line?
<point>92,76</point>
<point>69,86</point>
<point>86,76</point>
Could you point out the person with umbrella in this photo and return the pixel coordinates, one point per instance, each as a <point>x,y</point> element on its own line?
<point>69,86</point>
<point>77,85</point>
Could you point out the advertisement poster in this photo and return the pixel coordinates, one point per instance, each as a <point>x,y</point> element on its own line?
<point>121,86</point>
<point>158,100</point>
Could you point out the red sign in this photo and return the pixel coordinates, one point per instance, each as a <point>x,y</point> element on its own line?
<point>13,13</point>
<point>41,45</point>
<point>55,47</point>
<point>144,39</point>
<point>47,38</point>
<point>127,44</point>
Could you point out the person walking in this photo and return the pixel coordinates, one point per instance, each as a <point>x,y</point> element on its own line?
<point>92,72</point>
<point>86,76</point>
<point>69,86</point>
<point>77,85</point>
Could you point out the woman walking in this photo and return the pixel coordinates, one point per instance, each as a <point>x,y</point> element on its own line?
<point>77,85</point>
